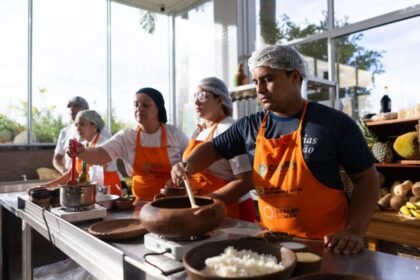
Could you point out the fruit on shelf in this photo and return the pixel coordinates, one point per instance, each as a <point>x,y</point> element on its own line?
<point>369,137</point>
<point>403,188</point>
<point>383,152</point>
<point>397,201</point>
<point>407,146</point>
<point>384,202</point>
<point>411,210</point>
<point>415,189</point>
<point>414,199</point>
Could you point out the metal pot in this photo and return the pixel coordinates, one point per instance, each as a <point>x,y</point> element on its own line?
<point>77,197</point>
<point>174,217</point>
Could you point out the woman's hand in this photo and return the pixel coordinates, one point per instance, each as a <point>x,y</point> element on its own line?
<point>73,150</point>
<point>344,242</point>
<point>179,173</point>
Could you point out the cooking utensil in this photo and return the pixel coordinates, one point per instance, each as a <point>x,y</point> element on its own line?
<point>124,203</point>
<point>174,217</point>
<point>73,181</point>
<point>189,192</point>
<point>77,197</point>
<point>117,229</point>
<point>119,189</point>
<point>194,260</point>
<point>106,200</point>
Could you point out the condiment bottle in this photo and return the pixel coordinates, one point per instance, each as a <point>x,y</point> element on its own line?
<point>385,102</point>
<point>84,176</point>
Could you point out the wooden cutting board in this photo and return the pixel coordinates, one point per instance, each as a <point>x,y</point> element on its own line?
<point>117,229</point>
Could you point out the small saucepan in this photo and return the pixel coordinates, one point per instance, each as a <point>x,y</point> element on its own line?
<point>78,197</point>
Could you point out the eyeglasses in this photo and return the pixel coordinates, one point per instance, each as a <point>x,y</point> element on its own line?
<point>200,96</point>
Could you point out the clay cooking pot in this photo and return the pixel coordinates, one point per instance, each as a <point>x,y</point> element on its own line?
<point>174,217</point>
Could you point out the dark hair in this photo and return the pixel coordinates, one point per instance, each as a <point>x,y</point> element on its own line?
<point>157,97</point>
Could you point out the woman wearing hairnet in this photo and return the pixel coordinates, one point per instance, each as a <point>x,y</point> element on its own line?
<point>90,127</point>
<point>148,150</point>
<point>297,148</point>
<point>213,105</point>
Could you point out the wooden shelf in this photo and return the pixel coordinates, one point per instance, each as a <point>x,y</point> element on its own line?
<point>400,164</point>
<point>397,121</point>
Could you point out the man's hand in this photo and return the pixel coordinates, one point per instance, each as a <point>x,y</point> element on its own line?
<point>344,242</point>
<point>179,173</point>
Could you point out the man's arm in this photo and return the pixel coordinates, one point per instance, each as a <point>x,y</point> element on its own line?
<point>201,157</point>
<point>235,189</point>
<point>362,204</point>
<point>58,163</point>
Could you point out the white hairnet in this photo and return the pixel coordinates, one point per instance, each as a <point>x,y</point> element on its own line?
<point>218,87</point>
<point>79,101</point>
<point>91,116</point>
<point>278,57</point>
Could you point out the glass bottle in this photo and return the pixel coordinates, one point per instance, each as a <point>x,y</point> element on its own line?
<point>385,102</point>
<point>84,176</point>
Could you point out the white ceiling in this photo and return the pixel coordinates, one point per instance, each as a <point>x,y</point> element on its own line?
<point>162,6</point>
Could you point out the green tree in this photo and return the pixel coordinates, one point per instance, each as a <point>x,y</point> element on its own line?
<point>349,51</point>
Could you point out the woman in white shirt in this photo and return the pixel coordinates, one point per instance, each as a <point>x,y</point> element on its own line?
<point>91,127</point>
<point>148,151</point>
<point>213,105</point>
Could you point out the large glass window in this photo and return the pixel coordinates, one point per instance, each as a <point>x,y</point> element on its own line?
<point>140,58</point>
<point>13,71</point>
<point>283,21</point>
<point>380,65</point>
<point>206,45</point>
<point>357,10</point>
<point>68,60</point>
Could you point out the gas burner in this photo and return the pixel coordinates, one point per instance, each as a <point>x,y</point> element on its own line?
<point>197,237</point>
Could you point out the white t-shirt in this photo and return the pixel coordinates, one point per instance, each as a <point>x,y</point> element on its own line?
<point>66,133</point>
<point>226,169</point>
<point>123,144</point>
<point>104,135</point>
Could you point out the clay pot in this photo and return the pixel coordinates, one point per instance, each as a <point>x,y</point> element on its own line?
<point>174,217</point>
<point>194,260</point>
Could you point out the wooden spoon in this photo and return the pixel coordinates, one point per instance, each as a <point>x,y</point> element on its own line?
<point>190,193</point>
<point>73,181</point>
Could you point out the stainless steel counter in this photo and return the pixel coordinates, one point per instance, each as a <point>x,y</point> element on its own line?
<point>124,260</point>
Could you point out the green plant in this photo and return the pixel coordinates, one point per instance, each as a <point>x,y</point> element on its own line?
<point>45,126</point>
<point>8,129</point>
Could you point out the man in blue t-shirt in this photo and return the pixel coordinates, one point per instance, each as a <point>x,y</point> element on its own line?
<point>297,148</point>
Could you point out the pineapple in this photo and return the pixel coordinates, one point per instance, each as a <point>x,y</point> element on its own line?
<point>369,137</point>
<point>383,151</point>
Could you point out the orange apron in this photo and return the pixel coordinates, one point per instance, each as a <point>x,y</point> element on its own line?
<point>204,182</point>
<point>290,198</point>
<point>151,168</point>
<point>111,178</point>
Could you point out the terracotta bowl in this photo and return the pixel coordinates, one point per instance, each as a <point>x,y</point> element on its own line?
<point>194,260</point>
<point>124,204</point>
<point>174,217</point>
<point>332,276</point>
<point>307,262</point>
